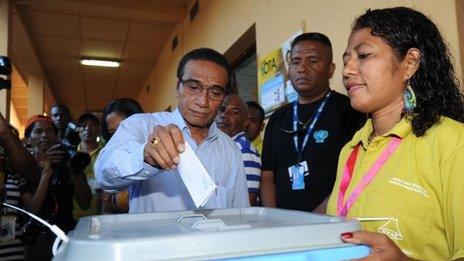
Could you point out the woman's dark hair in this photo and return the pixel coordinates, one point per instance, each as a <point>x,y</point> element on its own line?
<point>435,84</point>
<point>123,106</point>
<point>88,116</point>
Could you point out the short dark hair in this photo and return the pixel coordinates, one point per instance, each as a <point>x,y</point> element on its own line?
<point>255,105</point>
<point>434,82</point>
<point>62,107</point>
<point>28,130</point>
<point>205,54</point>
<point>123,106</point>
<point>314,37</point>
<point>88,116</point>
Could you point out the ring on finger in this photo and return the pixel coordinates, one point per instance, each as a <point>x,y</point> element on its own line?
<point>154,142</point>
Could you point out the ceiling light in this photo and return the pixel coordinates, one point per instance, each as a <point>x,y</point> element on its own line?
<point>100,62</point>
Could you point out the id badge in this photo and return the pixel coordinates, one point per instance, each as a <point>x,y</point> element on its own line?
<point>298,182</point>
<point>7,230</point>
<point>305,168</point>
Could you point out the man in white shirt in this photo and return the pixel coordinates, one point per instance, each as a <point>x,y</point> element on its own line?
<point>144,151</point>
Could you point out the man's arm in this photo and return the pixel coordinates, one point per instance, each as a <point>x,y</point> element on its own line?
<point>81,189</point>
<point>120,163</point>
<point>33,202</point>
<point>322,208</point>
<point>268,197</point>
<point>140,149</point>
<point>21,161</point>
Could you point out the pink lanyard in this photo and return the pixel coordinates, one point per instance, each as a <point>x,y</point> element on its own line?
<point>342,209</point>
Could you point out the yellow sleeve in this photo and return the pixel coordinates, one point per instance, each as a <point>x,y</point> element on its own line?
<point>452,171</point>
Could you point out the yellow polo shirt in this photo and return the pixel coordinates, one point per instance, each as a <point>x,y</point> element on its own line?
<point>92,181</point>
<point>420,188</point>
<point>258,144</point>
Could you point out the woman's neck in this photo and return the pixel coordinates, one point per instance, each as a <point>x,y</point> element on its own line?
<point>89,146</point>
<point>383,120</point>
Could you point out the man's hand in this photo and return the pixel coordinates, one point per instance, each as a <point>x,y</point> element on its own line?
<point>163,147</point>
<point>382,248</point>
<point>56,154</point>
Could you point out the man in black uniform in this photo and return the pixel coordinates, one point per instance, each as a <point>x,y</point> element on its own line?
<point>303,139</point>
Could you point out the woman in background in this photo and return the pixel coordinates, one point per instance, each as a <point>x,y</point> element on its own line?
<point>113,114</point>
<point>405,166</point>
<point>65,181</point>
<point>20,193</point>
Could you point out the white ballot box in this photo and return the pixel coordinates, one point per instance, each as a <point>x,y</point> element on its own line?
<point>238,234</point>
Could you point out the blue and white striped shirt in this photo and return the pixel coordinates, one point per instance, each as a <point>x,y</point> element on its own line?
<point>120,164</point>
<point>251,161</point>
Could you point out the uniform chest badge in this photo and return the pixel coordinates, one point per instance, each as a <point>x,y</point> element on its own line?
<point>320,136</point>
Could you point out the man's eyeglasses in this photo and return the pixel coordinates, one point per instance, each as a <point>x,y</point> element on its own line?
<point>194,87</point>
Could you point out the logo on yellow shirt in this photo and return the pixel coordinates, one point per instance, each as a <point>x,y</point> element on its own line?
<point>392,230</point>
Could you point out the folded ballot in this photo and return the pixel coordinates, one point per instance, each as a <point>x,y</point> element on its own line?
<point>198,182</point>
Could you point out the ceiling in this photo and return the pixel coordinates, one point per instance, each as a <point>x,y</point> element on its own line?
<point>62,31</point>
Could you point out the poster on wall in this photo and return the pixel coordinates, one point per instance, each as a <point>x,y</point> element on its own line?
<point>290,93</point>
<point>271,81</point>
<point>272,94</point>
<point>286,47</point>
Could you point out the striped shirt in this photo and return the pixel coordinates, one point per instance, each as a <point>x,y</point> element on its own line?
<point>14,186</point>
<point>251,161</point>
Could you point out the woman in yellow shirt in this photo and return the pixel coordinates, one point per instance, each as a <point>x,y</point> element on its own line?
<point>403,171</point>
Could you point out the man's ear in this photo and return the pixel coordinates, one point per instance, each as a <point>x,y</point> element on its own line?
<point>177,89</point>
<point>412,62</point>
<point>331,70</point>
<point>262,126</point>
<point>246,122</point>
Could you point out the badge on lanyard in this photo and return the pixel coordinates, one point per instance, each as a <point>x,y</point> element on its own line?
<point>297,173</point>
<point>298,177</point>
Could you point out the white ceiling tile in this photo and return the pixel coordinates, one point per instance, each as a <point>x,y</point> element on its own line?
<point>60,64</point>
<point>149,33</point>
<point>98,81</point>
<point>101,49</point>
<point>51,23</point>
<point>104,29</point>
<point>141,53</point>
<point>58,46</point>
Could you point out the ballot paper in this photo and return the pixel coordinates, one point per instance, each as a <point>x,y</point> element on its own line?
<point>198,182</point>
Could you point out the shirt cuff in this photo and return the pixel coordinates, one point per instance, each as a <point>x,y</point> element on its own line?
<point>144,170</point>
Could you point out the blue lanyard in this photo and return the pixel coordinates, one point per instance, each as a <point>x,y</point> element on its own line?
<point>316,116</point>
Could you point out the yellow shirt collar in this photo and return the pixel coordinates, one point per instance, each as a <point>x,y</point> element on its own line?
<point>100,146</point>
<point>402,129</point>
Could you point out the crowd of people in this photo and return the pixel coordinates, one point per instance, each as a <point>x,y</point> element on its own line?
<point>392,150</point>
<point>50,174</point>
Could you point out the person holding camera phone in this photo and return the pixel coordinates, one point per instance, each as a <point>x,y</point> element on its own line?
<point>66,181</point>
<point>88,126</point>
<point>19,192</point>
<point>67,130</point>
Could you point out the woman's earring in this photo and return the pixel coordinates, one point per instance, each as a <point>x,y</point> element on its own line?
<point>409,98</point>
